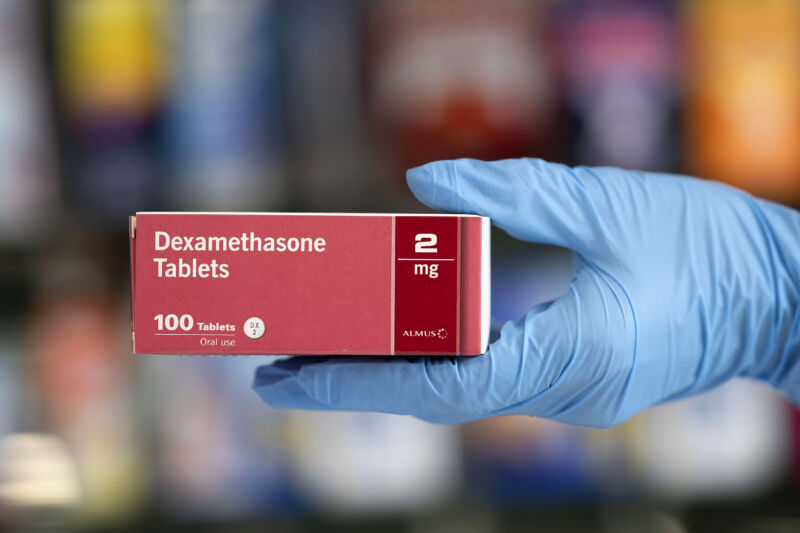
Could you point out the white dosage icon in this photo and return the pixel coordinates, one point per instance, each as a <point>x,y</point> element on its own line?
<point>254,327</point>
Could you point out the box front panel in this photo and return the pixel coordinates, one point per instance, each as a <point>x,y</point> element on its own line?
<point>262,284</point>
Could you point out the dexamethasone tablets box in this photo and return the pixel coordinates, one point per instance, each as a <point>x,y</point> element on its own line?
<point>333,284</point>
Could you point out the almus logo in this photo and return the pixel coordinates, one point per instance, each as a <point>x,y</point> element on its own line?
<point>428,333</point>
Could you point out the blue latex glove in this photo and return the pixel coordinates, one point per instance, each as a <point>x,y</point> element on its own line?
<point>681,285</point>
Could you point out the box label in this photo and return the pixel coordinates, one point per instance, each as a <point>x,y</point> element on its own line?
<point>304,284</point>
<point>426,307</point>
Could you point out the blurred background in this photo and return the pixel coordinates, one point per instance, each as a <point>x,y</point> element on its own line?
<point>113,106</point>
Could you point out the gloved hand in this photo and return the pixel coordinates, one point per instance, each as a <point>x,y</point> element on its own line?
<point>681,285</point>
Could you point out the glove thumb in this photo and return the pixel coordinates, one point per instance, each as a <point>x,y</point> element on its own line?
<point>530,199</point>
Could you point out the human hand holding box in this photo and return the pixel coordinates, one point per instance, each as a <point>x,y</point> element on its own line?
<point>681,284</point>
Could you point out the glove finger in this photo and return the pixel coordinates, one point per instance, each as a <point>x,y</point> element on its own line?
<point>437,389</point>
<point>277,385</point>
<point>531,199</point>
<point>546,364</point>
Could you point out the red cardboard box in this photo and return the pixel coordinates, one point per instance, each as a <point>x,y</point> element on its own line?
<point>333,284</point>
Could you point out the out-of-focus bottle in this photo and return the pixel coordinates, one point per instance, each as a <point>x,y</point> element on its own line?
<point>743,94</point>
<point>223,113</point>
<point>111,74</point>
<point>618,67</point>
<point>455,78</point>
<point>27,174</point>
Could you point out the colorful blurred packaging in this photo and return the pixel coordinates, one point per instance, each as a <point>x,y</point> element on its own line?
<point>455,78</point>
<point>27,174</point>
<point>517,459</point>
<point>618,67</point>
<point>223,126</point>
<point>329,151</point>
<point>111,71</point>
<point>743,94</point>
<point>80,377</point>
<point>219,449</point>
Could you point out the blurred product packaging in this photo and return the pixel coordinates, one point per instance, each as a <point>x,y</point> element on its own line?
<point>219,451</point>
<point>111,72</point>
<point>513,460</point>
<point>323,105</point>
<point>80,375</point>
<point>743,94</point>
<point>223,122</point>
<point>372,462</point>
<point>458,78</point>
<point>329,150</point>
<point>28,190</point>
<point>617,63</point>
<point>38,483</point>
<point>731,442</point>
